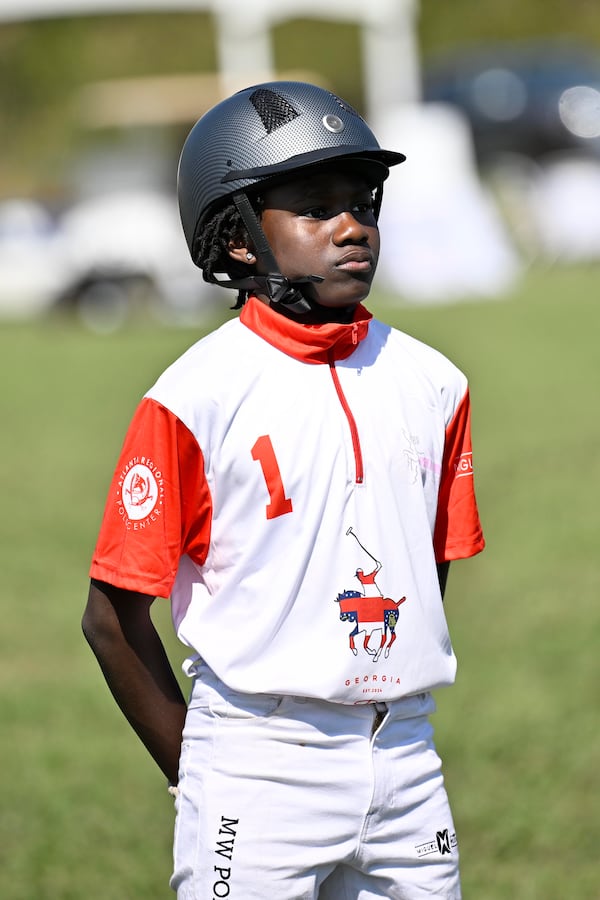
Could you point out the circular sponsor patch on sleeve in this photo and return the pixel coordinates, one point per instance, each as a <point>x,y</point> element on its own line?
<point>139,492</point>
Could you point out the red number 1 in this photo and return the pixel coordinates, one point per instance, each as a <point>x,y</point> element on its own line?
<point>263,453</point>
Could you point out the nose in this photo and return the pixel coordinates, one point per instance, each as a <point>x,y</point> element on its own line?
<point>349,229</point>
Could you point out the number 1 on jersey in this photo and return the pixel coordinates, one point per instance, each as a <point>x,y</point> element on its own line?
<point>264,453</point>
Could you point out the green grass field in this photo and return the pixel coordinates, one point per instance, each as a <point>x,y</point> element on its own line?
<point>84,812</point>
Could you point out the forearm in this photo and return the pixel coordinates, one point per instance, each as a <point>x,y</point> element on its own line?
<point>150,698</point>
<point>137,671</point>
<point>442,570</point>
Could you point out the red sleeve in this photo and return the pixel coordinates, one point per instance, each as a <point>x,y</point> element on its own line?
<point>158,508</point>
<point>458,531</point>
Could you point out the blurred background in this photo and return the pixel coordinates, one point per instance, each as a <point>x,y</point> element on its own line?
<point>491,240</point>
<point>498,110</point>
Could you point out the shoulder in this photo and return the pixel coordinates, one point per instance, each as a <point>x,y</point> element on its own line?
<point>205,352</point>
<point>406,351</point>
<point>210,376</point>
<point>204,361</point>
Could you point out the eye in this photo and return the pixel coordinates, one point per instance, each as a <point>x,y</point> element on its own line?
<point>363,206</point>
<point>315,212</point>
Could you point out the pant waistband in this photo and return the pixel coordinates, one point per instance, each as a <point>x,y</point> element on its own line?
<point>372,712</point>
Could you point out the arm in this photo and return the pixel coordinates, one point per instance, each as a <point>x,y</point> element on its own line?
<point>119,629</point>
<point>442,570</point>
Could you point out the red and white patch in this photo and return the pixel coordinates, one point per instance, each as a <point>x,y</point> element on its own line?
<point>139,492</point>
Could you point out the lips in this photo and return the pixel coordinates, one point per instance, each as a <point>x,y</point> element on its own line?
<point>359,260</point>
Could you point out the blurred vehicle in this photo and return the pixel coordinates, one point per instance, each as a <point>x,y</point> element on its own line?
<point>125,250</point>
<point>104,258</point>
<point>31,260</point>
<point>529,98</point>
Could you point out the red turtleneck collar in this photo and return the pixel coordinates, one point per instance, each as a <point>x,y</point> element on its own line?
<point>308,343</point>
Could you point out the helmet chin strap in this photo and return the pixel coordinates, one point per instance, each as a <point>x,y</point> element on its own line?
<point>276,286</point>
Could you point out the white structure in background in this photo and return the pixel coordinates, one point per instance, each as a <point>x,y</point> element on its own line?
<point>565,209</point>
<point>243,31</point>
<point>442,236</point>
<point>32,264</point>
<point>443,239</point>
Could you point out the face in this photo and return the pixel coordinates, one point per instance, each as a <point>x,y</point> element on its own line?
<point>325,225</point>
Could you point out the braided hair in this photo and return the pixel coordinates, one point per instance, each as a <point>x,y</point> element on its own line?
<point>211,246</point>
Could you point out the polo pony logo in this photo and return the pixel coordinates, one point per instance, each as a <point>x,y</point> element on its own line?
<point>371,613</point>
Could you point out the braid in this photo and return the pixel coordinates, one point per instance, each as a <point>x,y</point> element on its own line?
<point>210,250</point>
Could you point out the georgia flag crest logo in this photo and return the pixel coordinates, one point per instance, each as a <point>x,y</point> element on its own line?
<point>369,611</point>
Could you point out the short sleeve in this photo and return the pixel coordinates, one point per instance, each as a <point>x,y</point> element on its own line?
<point>458,533</point>
<point>158,508</point>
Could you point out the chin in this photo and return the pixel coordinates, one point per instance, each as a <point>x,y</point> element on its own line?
<point>345,300</point>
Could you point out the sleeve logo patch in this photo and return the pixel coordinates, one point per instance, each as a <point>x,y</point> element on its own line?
<point>140,491</point>
<point>463,465</point>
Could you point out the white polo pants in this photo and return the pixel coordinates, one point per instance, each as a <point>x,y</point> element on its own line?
<point>288,799</point>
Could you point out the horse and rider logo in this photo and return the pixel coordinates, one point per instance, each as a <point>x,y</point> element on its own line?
<point>371,612</point>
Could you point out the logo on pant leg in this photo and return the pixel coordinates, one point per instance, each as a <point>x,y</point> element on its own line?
<point>445,842</point>
<point>224,849</point>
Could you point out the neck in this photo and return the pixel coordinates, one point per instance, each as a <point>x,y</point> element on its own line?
<point>313,343</point>
<point>318,315</point>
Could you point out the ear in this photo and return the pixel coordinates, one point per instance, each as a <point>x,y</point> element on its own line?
<point>241,253</point>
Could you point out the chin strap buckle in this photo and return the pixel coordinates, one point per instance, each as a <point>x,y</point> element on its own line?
<point>281,290</point>
<point>277,287</point>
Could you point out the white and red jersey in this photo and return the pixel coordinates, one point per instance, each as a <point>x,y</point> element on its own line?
<point>268,465</point>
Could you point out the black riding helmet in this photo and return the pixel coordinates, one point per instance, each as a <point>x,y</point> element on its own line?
<point>252,140</point>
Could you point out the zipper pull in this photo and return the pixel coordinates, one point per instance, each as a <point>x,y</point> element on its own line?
<point>355,334</point>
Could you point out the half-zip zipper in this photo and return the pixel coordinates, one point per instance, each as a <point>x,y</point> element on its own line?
<point>358,460</point>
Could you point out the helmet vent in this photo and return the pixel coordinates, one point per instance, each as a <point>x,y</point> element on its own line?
<point>345,106</point>
<point>273,109</point>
